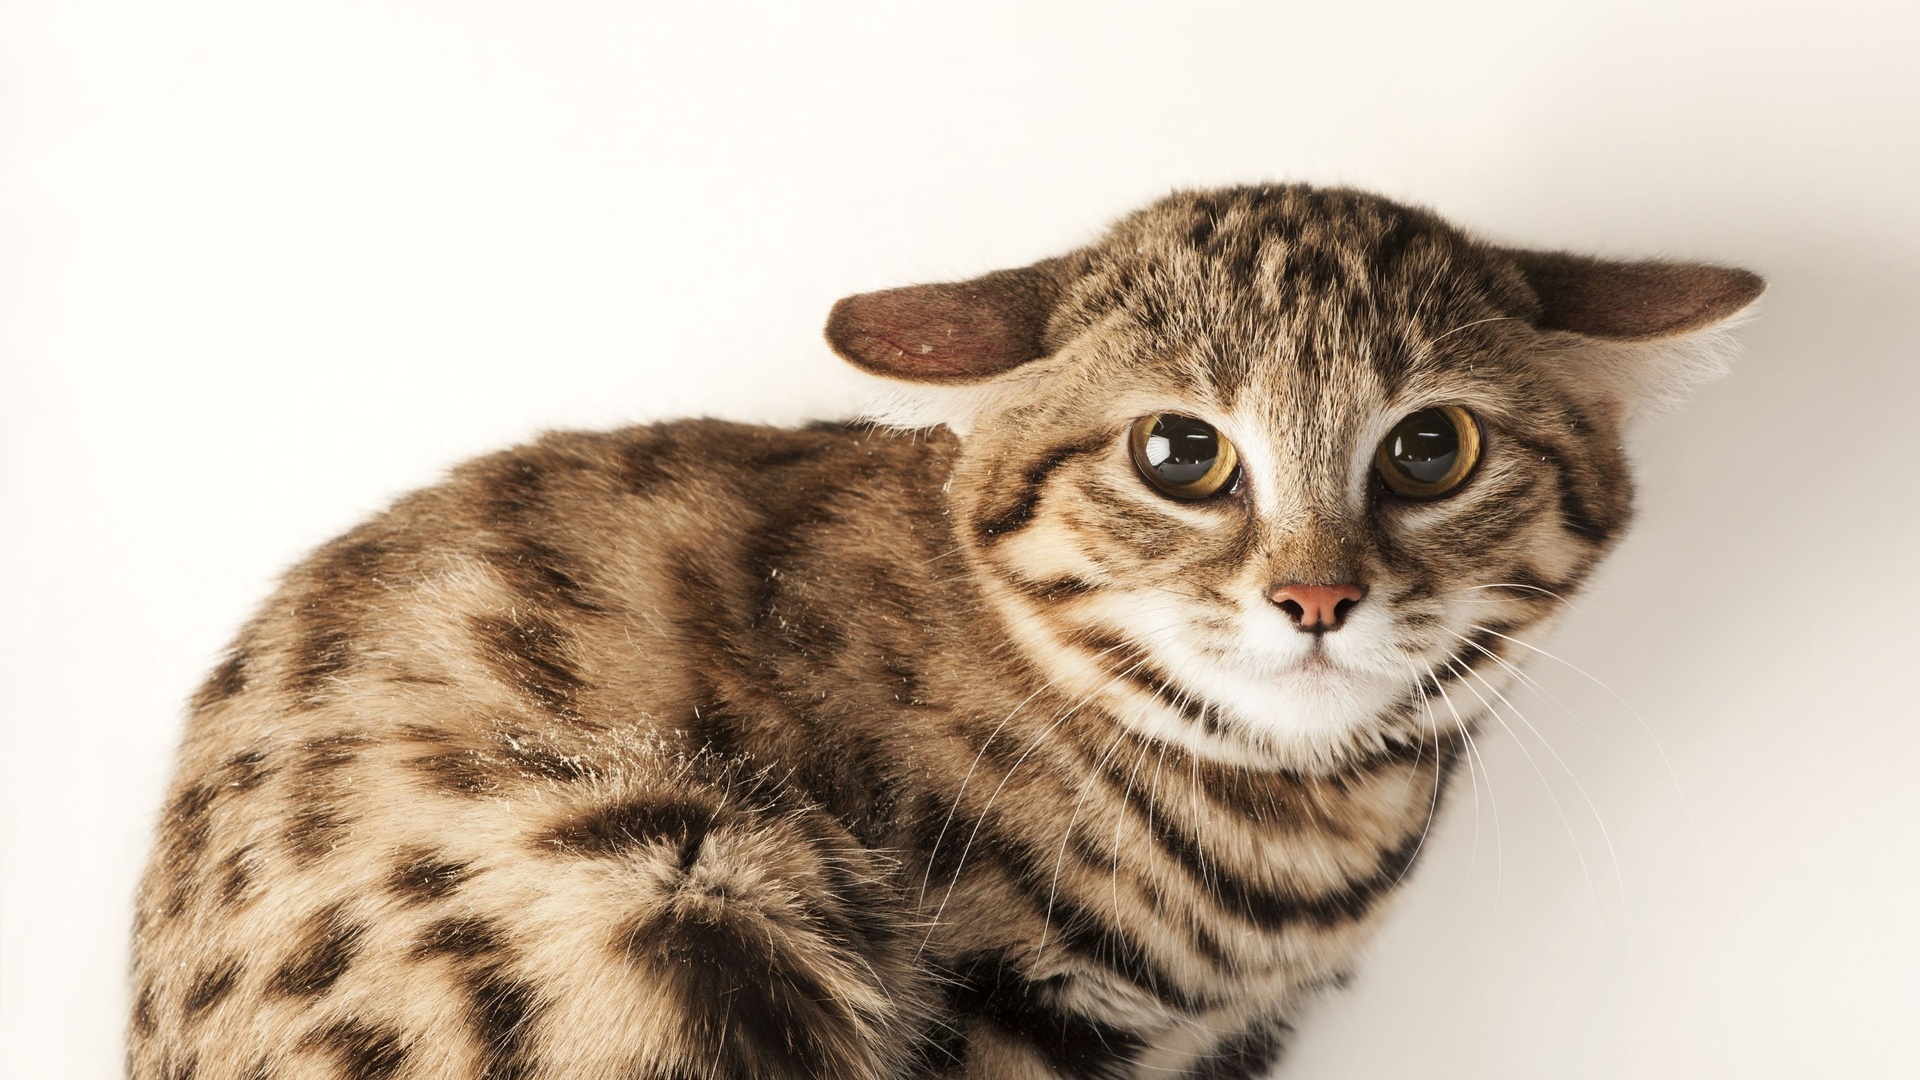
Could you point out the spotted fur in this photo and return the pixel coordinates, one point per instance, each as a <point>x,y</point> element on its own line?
<point>709,750</point>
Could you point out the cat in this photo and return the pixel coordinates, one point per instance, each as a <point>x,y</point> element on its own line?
<point>1078,719</point>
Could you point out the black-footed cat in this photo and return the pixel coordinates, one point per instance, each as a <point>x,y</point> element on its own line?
<point>1079,737</point>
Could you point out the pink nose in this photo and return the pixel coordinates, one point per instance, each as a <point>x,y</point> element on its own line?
<point>1316,609</point>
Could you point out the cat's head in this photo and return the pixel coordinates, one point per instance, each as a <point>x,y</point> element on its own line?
<point>1278,473</point>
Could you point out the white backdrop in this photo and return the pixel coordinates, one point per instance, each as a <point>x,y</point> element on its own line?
<point>265,265</point>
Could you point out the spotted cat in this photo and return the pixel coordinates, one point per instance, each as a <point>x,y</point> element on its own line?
<point>1077,720</point>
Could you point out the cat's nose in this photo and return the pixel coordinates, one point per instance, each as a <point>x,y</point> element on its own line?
<point>1317,609</point>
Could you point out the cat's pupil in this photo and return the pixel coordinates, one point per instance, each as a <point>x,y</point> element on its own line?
<point>1181,449</point>
<point>1424,445</point>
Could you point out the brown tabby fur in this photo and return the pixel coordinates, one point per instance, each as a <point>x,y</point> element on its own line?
<point>709,750</point>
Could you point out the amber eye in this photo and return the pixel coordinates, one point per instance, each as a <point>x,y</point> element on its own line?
<point>1183,457</point>
<point>1430,452</point>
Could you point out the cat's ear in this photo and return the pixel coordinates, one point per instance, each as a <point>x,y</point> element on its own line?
<point>1650,331</point>
<point>954,333</point>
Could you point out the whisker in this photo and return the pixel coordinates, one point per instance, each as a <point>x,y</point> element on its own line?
<point>1585,870</point>
<point>1433,806</point>
<point>1659,747</point>
<point>1619,880</point>
<point>1473,748</point>
<point>1066,835</point>
<point>1032,744</point>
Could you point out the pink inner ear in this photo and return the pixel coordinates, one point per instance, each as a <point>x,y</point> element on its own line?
<point>949,333</point>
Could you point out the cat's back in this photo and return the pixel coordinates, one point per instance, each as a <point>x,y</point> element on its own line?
<point>480,671</point>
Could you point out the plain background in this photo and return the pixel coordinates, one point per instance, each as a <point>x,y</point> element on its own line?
<point>266,265</point>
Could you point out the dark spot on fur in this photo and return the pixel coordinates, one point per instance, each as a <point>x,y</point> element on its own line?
<point>245,771</point>
<point>363,1051</point>
<point>458,772</point>
<point>637,823</point>
<point>649,461</point>
<point>186,825</point>
<point>426,876</point>
<point>545,763</point>
<point>516,489</point>
<point>749,1002</point>
<point>503,1010</point>
<point>530,654</point>
<point>328,946</point>
<point>213,984</point>
<point>180,1068</point>
<point>331,752</point>
<point>469,938</point>
<point>143,1019</point>
<point>988,986</point>
<point>236,875</point>
<point>313,833</point>
<point>322,653</point>
<point>1249,1055</point>
<point>227,680</point>
<point>544,577</point>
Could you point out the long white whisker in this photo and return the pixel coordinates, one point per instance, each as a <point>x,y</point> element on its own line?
<point>1433,807</point>
<point>1585,870</point>
<point>1473,748</point>
<point>1619,879</point>
<point>1659,747</point>
<point>1559,706</point>
<point>980,822</point>
<point>1066,835</point>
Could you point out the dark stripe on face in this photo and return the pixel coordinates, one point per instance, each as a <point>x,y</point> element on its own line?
<point>988,986</point>
<point>1482,645</point>
<point>1575,515</point>
<point>1017,514</point>
<point>1121,659</point>
<point>1055,590</point>
<point>1163,689</point>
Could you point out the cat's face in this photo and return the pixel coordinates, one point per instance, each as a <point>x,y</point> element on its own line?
<point>1184,508</point>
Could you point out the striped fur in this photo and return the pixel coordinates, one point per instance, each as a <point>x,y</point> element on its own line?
<point>709,750</point>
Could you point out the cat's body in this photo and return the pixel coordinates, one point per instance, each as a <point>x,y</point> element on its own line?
<point>706,750</point>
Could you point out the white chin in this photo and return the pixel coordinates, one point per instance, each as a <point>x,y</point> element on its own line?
<point>1310,714</point>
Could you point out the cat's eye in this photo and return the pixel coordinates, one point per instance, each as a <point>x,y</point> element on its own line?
<point>1183,457</point>
<point>1429,453</point>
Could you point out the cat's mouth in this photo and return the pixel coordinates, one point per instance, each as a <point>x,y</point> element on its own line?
<point>1317,668</point>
